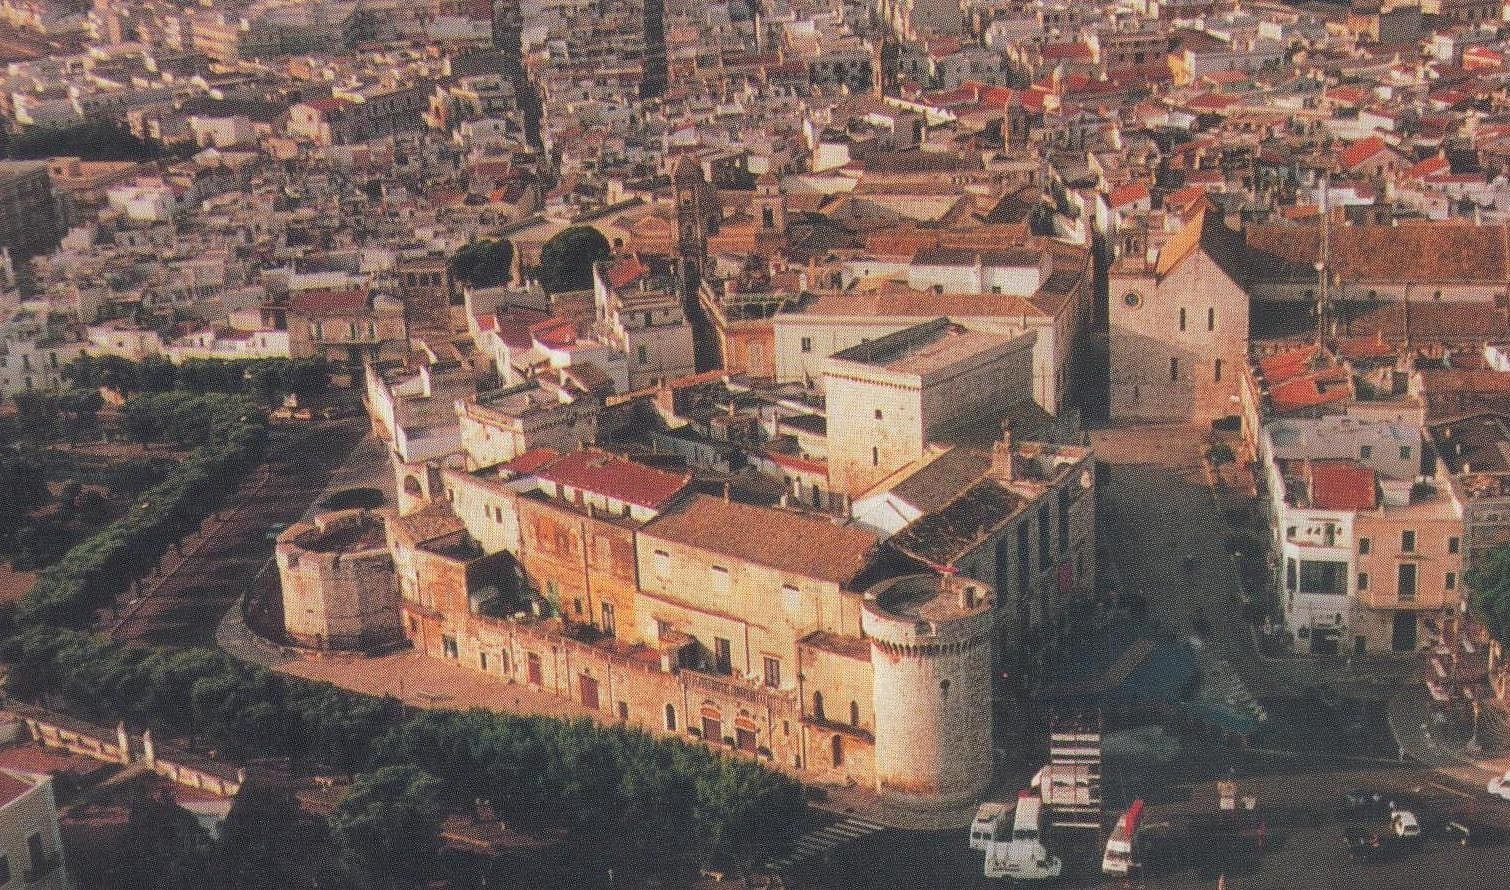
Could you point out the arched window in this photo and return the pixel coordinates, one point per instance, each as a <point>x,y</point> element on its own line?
<point>838,750</point>
<point>854,713</point>
<point>818,705</point>
<point>671,718</point>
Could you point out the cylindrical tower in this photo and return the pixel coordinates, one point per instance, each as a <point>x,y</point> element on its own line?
<point>931,656</point>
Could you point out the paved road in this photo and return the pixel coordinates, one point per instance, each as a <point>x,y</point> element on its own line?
<point>1303,846</point>
<point>186,608</point>
<point>1156,510</point>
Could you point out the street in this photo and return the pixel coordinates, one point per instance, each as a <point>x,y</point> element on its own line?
<point>185,608</point>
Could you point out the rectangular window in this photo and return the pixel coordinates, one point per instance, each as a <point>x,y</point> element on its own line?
<point>878,414</point>
<point>1453,544</point>
<point>772,671</point>
<point>1406,587</point>
<point>1405,452</point>
<point>609,627</point>
<point>1318,576</point>
<point>1216,370</point>
<point>1407,541</point>
<point>662,564</point>
<point>1365,452</point>
<point>719,578</point>
<point>875,456</point>
<point>642,354</point>
<point>1363,581</point>
<point>1174,369</point>
<point>448,645</point>
<point>4,870</point>
<point>722,655</point>
<point>1182,318</point>
<point>482,660</point>
<point>1363,546</point>
<point>807,344</point>
<point>1450,581</point>
<point>1210,318</point>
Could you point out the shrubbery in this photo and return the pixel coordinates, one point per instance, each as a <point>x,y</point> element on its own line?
<point>230,434</point>
<point>640,803</point>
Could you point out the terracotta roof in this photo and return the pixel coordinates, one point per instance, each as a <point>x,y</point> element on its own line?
<point>1128,194</point>
<point>1312,390</point>
<point>625,271</point>
<point>789,542</point>
<point>615,477</point>
<point>1361,151</point>
<point>900,300</point>
<point>11,787</point>
<point>1415,252</point>
<point>1342,485</point>
<point>320,302</point>
<point>530,461</point>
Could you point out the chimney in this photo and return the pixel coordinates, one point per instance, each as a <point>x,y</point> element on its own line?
<point>124,742</point>
<point>1002,454</point>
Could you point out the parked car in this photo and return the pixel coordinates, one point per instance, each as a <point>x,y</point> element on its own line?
<point>1363,800</point>
<point>1468,832</point>
<point>1405,825</point>
<point>1499,786</point>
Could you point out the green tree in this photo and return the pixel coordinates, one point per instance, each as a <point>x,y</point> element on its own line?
<point>92,140</point>
<point>1489,592</point>
<point>166,847</point>
<point>566,260</point>
<point>484,263</point>
<point>263,837</point>
<point>388,827</point>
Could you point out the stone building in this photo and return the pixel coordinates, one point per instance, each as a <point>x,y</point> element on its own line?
<point>1179,326</point>
<point>886,399</point>
<point>768,633</point>
<point>339,590</point>
<point>930,642</point>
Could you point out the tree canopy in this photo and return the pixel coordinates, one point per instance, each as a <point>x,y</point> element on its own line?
<point>388,827</point>
<point>91,140</point>
<point>483,263</point>
<point>1489,592</point>
<point>265,379</point>
<point>566,260</point>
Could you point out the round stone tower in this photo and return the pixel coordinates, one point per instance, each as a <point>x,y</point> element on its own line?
<point>339,589</point>
<point>931,655</point>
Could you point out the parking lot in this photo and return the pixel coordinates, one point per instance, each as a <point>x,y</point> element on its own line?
<point>1294,838</point>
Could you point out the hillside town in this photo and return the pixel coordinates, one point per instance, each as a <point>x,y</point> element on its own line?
<point>752,444</point>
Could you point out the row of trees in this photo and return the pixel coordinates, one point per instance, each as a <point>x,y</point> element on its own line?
<point>228,433</point>
<point>266,379</point>
<point>92,140</point>
<point>632,802</point>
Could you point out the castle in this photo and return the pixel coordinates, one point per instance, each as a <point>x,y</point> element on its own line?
<point>843,650</point>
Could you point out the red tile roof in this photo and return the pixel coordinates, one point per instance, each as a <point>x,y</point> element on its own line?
<point>12,788</point>
<point>321,301</point>
<point>1342,485</point>
<point>615,477</point>
<point>1128,194</point>
<point>530,461</point>
<point>1320,388</point>
<point>625,270</point>
<point>1361,151</point>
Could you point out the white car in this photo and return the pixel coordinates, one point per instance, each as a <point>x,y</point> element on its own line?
<point>1499,786</point>
<point>1405,824</point>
